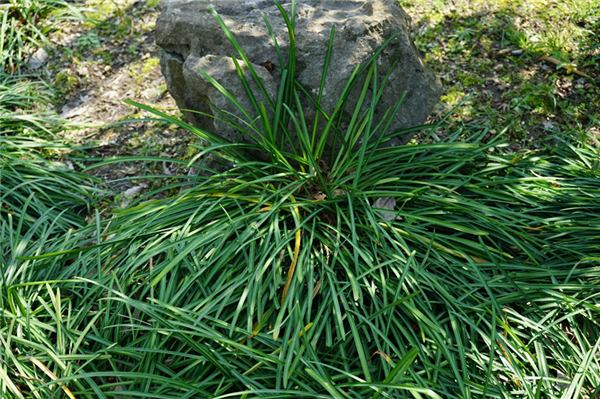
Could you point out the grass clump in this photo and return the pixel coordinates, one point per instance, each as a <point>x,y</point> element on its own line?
<point>36,189</point>
<point>448,269</point>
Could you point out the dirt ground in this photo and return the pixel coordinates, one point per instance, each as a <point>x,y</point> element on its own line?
<point>100,64</point>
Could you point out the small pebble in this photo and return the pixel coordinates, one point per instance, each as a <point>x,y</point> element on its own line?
<point>517,53</point>
<point>107,68</point>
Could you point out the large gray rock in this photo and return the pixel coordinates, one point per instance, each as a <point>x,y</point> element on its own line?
<point>190,38</point>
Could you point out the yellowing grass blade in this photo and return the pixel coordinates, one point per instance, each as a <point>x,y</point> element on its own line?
<point>50,374</point>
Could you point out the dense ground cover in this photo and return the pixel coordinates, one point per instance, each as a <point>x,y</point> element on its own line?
<point>460,267</point>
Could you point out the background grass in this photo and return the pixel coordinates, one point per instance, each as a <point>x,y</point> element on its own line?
<point>494,51</point>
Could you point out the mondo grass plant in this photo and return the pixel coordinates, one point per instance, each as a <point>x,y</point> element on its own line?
<point>38,191</point>
<point>35,192</point>
<point>283,278</point>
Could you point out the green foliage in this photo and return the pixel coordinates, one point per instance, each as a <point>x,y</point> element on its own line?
<point>88,41</point>
<point>591,43</point>
<point>25,25</point>
<point>24,107</point>
<point>38,195</point>
<point>483,269</point>
<point>39,192</point>
<point>279,278</point>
